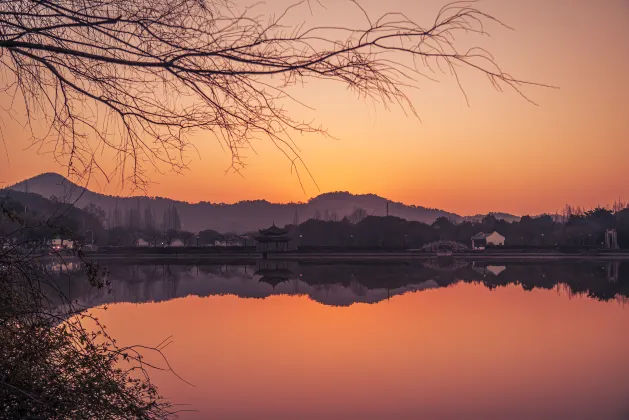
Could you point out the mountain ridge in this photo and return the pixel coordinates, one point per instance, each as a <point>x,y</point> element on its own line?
<point>242,216</point>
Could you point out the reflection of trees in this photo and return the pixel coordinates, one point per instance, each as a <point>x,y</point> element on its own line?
<point>226,271</point>
<point>579,278</point>
<point>141,283</point>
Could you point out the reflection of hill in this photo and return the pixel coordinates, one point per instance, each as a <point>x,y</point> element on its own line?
<point>338,284</point>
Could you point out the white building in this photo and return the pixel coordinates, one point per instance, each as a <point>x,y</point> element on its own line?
<point>481,240</point>
<point>177,243</point>
<point>141,243</point>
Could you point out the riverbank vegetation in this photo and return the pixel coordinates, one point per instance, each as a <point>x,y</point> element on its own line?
<point>578,229</point>
<point>56,360</point>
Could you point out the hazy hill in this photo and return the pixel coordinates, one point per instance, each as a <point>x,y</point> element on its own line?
<point>244,216</point>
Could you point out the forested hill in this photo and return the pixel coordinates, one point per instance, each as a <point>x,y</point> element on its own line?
<point>244,216</point>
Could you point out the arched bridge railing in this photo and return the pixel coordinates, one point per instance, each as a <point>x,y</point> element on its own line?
<point>445,245</point>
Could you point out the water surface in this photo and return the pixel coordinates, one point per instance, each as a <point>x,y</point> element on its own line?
<point>381,341</point>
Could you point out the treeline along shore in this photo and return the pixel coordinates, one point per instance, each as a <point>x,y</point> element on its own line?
<point>32,221</point>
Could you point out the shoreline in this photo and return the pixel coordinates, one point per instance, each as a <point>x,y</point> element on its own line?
<point>354,256</point>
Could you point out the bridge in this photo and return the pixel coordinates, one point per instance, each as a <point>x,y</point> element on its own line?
<point>453,246</point>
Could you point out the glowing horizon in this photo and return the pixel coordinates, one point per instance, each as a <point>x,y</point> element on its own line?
<point>500,154</point>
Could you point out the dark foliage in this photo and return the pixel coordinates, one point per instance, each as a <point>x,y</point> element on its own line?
<point>586,230</point>
<point>56,359</point>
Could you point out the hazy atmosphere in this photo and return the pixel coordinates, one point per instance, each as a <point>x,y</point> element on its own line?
<point>314,210</point>
<point>500,153</point>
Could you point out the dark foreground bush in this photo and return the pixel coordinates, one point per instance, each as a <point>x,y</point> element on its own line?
<point>56,360</point>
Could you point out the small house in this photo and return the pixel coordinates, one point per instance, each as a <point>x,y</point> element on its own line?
<point>141,243</point>
<point>481,240</point>
<point>58,244</point>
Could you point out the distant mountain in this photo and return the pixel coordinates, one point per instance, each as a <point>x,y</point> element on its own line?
<point>244,216</point>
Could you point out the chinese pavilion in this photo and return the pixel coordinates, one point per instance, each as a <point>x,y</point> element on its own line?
<point>273,239</point>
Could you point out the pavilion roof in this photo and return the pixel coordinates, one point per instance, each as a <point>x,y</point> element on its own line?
<point>273,231</point>
<point>273,281</point>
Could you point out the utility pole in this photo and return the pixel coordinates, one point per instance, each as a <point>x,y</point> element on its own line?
<point>26,190</point>
<point>387,208</point>
<point>296,218</point>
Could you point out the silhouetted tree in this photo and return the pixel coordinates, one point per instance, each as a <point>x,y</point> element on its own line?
<point>149,219</point>
<point>120,71</point>
<point>187,238</point>
<point>96,211</point>
<point>52,365</point>
<point>357,215</point>
<point>171,219</point>
<point>208,237</point>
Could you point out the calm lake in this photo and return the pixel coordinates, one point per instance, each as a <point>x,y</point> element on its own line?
<point>288,340</point>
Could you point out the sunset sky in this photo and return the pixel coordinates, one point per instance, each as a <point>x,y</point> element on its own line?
<point>500,153</point>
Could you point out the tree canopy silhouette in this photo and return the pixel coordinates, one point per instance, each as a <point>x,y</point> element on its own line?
<point>137,77</point>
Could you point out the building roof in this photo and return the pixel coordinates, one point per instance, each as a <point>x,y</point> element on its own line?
<point>484,235</point>
<point>273,231</point>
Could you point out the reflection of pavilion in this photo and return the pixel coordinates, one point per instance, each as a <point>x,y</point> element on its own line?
<point>612,271</point>
<point>275,272</point>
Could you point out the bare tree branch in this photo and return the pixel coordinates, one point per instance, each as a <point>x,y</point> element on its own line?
<point>140,78</point>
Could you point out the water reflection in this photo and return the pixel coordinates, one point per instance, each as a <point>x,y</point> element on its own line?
<point>343,284</point>
<point>287,340</point>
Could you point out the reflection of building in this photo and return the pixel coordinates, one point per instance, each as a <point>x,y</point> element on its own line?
<point>496,269</point>
<point>612,271</point>
<point>63,266</point>
<point>481,240</point>
<point>483,269</point>
<point>273,239</point>
<point>274,272</point>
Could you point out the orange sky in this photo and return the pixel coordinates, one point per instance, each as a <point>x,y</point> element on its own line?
<point>499,154</point>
